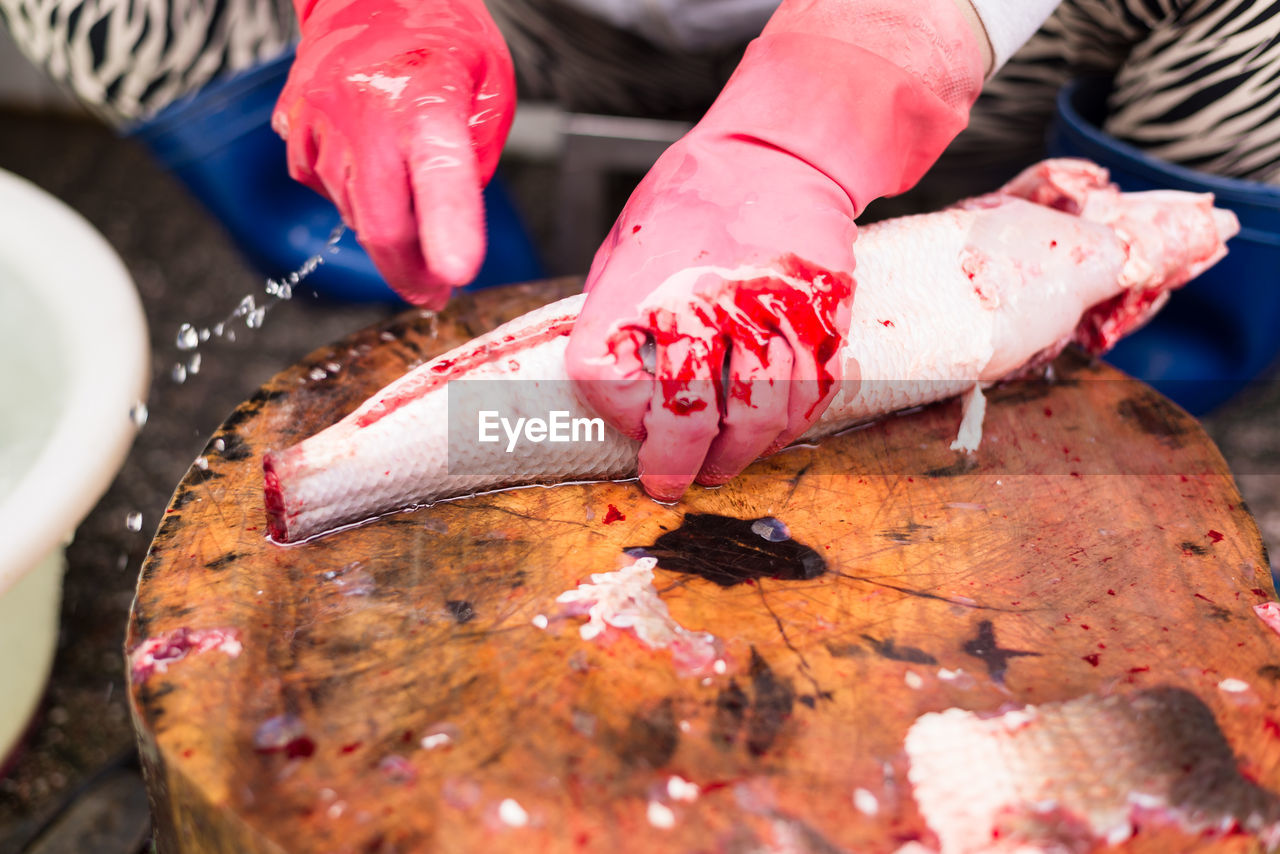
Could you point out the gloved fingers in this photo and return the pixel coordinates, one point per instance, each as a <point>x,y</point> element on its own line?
<point>756,398</point>
<point>382,206</point>
<point>448,202</point>
<point>611,376</point>
<point>301,150</point>
<point>812,386</point>
<point>333,170</point>
<point>684,413</point>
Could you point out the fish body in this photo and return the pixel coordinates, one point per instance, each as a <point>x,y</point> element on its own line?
<point>945,303</point>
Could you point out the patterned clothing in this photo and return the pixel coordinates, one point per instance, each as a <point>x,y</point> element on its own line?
<point>1197,82</point>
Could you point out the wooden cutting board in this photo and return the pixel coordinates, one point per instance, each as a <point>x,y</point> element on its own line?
<point>412,684</point>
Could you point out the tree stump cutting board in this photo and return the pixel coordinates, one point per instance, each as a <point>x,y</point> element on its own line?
<point>413,685</point>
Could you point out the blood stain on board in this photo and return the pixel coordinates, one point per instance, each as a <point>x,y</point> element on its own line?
<point>729,551</point>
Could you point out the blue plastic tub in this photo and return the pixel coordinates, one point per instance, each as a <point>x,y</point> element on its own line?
<point>1221,330</point>
<point>220,143</point>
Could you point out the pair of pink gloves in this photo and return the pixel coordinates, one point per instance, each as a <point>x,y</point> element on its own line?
<point>716,306</point>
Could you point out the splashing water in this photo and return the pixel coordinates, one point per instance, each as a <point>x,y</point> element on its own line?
<point>188,337</point>
<point>248,310</point>
<point>133,521</point>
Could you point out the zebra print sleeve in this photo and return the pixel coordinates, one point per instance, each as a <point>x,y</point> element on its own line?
<point>126,59</point>
<point>1203,87</point>
<point>1197,82</point>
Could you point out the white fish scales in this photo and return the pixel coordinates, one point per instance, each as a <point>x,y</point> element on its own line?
<point>945,303</point>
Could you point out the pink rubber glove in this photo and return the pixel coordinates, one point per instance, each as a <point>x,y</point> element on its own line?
<point>397,112</point>
<point>734,255</point>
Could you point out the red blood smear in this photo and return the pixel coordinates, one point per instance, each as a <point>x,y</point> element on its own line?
<point>273,499</point>
<point>351,748</point>
<point>758,309</point>
<point>1272,727</point>
<point>1215,536</point>
<point>613,514</point>
<point>1258,591</point>
<point>635,229</point>
<point>300,748</point>
<point>1093,658</point>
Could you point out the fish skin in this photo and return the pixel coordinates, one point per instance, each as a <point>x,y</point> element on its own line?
<point>945,302</point>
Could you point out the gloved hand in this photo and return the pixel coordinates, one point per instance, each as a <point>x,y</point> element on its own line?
<point>397,112</point>
<point>733,257</point>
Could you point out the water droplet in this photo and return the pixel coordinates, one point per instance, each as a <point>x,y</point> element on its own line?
<point>660,815</point>
<point>439,735</point>
<point>138,414</point>
<point>193,364</point>
<point>247,304</point>
<point>217,329</point>
<point>202,463</point>
<point>230,335</point>
<point>280,289</point>
<point>512,814</point>
<point>188,338</point>
<point>771,529</point>
<point>317,374</point>
<point>254,319</point>
<point>179,373</point>
<point>133,521</point>
<point>219,445</point>
<point>204,334</point>
<point>332,367</point>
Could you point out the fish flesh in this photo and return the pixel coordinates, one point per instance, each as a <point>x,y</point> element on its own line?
<point>946,303</point>
<point>1067,776</point>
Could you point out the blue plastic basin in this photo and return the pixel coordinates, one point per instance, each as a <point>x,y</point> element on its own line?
<point>220,143</point>
<point>1221,330</point>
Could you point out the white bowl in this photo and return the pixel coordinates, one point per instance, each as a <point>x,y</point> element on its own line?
<point>73,362</point>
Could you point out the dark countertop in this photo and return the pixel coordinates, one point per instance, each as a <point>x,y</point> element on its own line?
<point>187,271</point>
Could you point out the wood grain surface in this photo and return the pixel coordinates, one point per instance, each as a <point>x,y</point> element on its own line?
<point>393,687</point>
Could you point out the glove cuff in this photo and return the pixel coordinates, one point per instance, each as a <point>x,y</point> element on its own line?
<point>869,124</point>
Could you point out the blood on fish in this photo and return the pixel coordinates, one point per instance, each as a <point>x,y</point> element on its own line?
<point>613,514</point>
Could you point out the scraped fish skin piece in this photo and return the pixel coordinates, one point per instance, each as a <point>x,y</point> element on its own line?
<point>944,302</point>
<point>1065,776</point>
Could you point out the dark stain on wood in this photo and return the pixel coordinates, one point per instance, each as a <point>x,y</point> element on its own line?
<point>964,465</point>
<point>1219,614</point>
<point>904,534</point>
<point>888,649</point>
<point>651,736</point>
<point>771,703</point>
<point>984,646</point>
<point>729,551</point>
<point>1194,548</point>
<point>184,497</point>
<point>1156,416</point>
<point>845,650</point>
<point>460,610</point>
<point>234,448</point>
<point>731,711</point>
<point>223,561</point>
